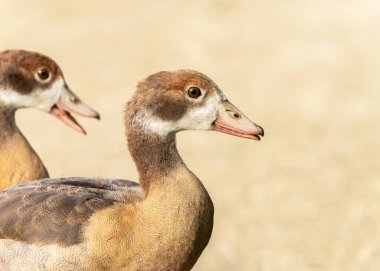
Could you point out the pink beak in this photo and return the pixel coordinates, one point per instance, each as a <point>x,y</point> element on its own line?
<point>70,103</point>
<point>232,121</point>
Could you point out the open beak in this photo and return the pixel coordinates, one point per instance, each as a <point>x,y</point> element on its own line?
<point>70,103</point>
<point>232,121</point>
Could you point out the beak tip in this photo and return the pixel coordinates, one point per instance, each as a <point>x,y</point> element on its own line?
<point>256,137</point>
<point>83,131</point>
<point>261,130</point>
<point>96,116</point>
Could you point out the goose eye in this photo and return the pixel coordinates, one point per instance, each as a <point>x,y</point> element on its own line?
<point>43,74</point>
<point>194,92</point>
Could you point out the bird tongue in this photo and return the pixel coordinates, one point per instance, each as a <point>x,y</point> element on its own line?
<point>67,118</point>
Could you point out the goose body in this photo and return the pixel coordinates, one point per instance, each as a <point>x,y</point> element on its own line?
<point>163,223</point>
<point>30,79</point>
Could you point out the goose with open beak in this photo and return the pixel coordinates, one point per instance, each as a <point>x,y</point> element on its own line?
<point>27,80</point>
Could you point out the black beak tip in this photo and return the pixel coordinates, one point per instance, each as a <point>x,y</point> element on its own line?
<point>262,130</point>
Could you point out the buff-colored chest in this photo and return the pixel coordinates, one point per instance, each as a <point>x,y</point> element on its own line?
<point>167,231</point>
<point>19,162</point>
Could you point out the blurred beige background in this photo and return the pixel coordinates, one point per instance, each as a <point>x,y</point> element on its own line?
<point>307,197</point>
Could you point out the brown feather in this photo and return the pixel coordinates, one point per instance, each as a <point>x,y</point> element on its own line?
<point>55,211</point>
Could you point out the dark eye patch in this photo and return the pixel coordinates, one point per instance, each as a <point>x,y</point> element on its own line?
<point>168,107</point>
<point>16,80</point>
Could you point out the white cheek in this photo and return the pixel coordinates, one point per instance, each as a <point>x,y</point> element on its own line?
<point>152,124</point>
<point>40,99</point>
<point>200,118</point>
<point>47,98</point>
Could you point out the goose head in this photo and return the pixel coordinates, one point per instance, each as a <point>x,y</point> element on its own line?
<point>29,79</point>
<point>168,102</point>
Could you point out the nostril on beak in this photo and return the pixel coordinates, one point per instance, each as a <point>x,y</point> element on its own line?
<point>74,100</point>
<point>237,115</point>
<point>233,114</point>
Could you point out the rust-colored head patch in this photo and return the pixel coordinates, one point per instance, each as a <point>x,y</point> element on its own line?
<point>24,71</point>
<point>164,93</point>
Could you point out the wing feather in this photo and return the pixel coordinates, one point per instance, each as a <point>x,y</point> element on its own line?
<point>54,211</point>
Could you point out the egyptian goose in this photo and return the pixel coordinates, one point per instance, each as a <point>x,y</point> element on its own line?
<point>31,80</point>
<point>106,224</point>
